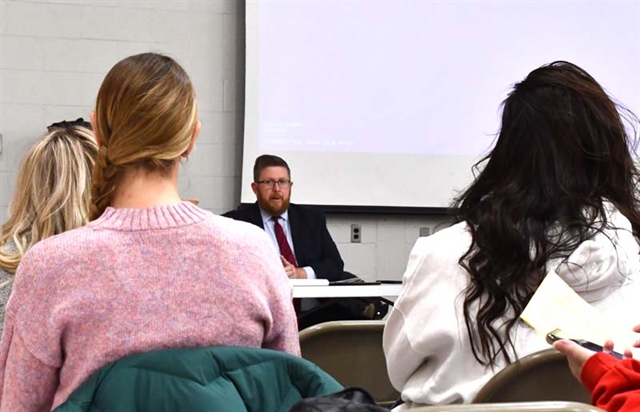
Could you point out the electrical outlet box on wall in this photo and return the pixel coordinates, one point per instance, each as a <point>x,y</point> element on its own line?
<point>356,233</point>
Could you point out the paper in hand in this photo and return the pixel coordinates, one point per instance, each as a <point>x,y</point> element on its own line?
<point>556,306</point>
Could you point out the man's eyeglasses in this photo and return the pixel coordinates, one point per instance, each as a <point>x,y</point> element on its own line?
<point>283,183</point>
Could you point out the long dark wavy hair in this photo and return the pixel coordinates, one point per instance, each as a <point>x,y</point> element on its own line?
<point>562,150</point>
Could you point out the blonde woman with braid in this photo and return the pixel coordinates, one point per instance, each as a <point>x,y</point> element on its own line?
<point>52,195</point>
<point>149,271</point>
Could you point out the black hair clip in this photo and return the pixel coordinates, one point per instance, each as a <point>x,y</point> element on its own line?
<point>65,123</point>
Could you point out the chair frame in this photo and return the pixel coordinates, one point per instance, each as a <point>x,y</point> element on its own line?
<point>351,352</point>
<point>540,376</point>
<point>512,407</point>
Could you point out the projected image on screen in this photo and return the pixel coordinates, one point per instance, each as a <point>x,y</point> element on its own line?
<point>415,86</point>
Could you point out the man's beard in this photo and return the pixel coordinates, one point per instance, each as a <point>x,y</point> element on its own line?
<point>274,210</point>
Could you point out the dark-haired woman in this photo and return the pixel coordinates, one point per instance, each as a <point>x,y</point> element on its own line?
<point>557,192</point>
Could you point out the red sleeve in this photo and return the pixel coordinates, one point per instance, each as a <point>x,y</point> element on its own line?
<point>614,384</point>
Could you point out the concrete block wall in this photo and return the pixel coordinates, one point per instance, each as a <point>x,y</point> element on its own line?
<point>55,53</point>
<point>386,241</point>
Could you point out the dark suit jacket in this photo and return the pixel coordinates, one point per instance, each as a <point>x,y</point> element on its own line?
<point>312,242</point>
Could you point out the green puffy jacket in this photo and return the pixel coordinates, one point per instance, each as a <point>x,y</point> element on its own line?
<point>211,379</point>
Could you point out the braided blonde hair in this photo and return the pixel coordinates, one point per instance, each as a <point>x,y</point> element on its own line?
<point>52,193</point>
<point>146,115</point>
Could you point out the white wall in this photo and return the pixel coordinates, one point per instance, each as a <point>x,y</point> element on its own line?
<point>54,54</point>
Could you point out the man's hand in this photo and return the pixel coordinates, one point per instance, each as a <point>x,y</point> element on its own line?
<point>292,271</point>
<point>637,343</point>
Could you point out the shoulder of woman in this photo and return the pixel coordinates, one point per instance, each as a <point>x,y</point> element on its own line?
<point>439,253</point>
<point>6,280</point>
<point>9,246</point>
<point>448,243</point>
<point>237,231</point>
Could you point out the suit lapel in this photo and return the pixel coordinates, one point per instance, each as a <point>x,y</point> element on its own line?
<point>255,217</point>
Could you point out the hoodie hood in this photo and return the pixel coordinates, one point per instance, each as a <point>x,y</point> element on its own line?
<point>603,263</point>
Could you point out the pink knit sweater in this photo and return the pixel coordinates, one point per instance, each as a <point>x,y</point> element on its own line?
<point>137,280</point>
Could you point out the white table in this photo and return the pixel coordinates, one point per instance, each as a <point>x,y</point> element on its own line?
<point>391,290</point>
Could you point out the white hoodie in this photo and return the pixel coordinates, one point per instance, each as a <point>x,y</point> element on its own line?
<point>426,342</point>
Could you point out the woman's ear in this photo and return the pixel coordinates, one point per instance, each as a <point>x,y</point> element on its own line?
<point>95,130</point>
<point>194,136</point>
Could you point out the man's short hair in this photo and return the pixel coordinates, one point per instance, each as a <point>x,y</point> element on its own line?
<point>267,160</point>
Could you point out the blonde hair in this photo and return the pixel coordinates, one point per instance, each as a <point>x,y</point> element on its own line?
<point>146,114</point>
<point>52,192</point>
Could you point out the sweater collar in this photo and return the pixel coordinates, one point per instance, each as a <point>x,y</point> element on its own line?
<point>159,217</point>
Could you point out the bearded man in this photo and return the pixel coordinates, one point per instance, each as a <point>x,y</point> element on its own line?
<point>306,250</point>
<point>300,235</point>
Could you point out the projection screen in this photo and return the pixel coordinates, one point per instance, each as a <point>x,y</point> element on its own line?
<point>390,103</point>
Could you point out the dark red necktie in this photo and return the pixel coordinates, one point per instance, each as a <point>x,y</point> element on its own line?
<point>283,244</point>
<point>285,250</point>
